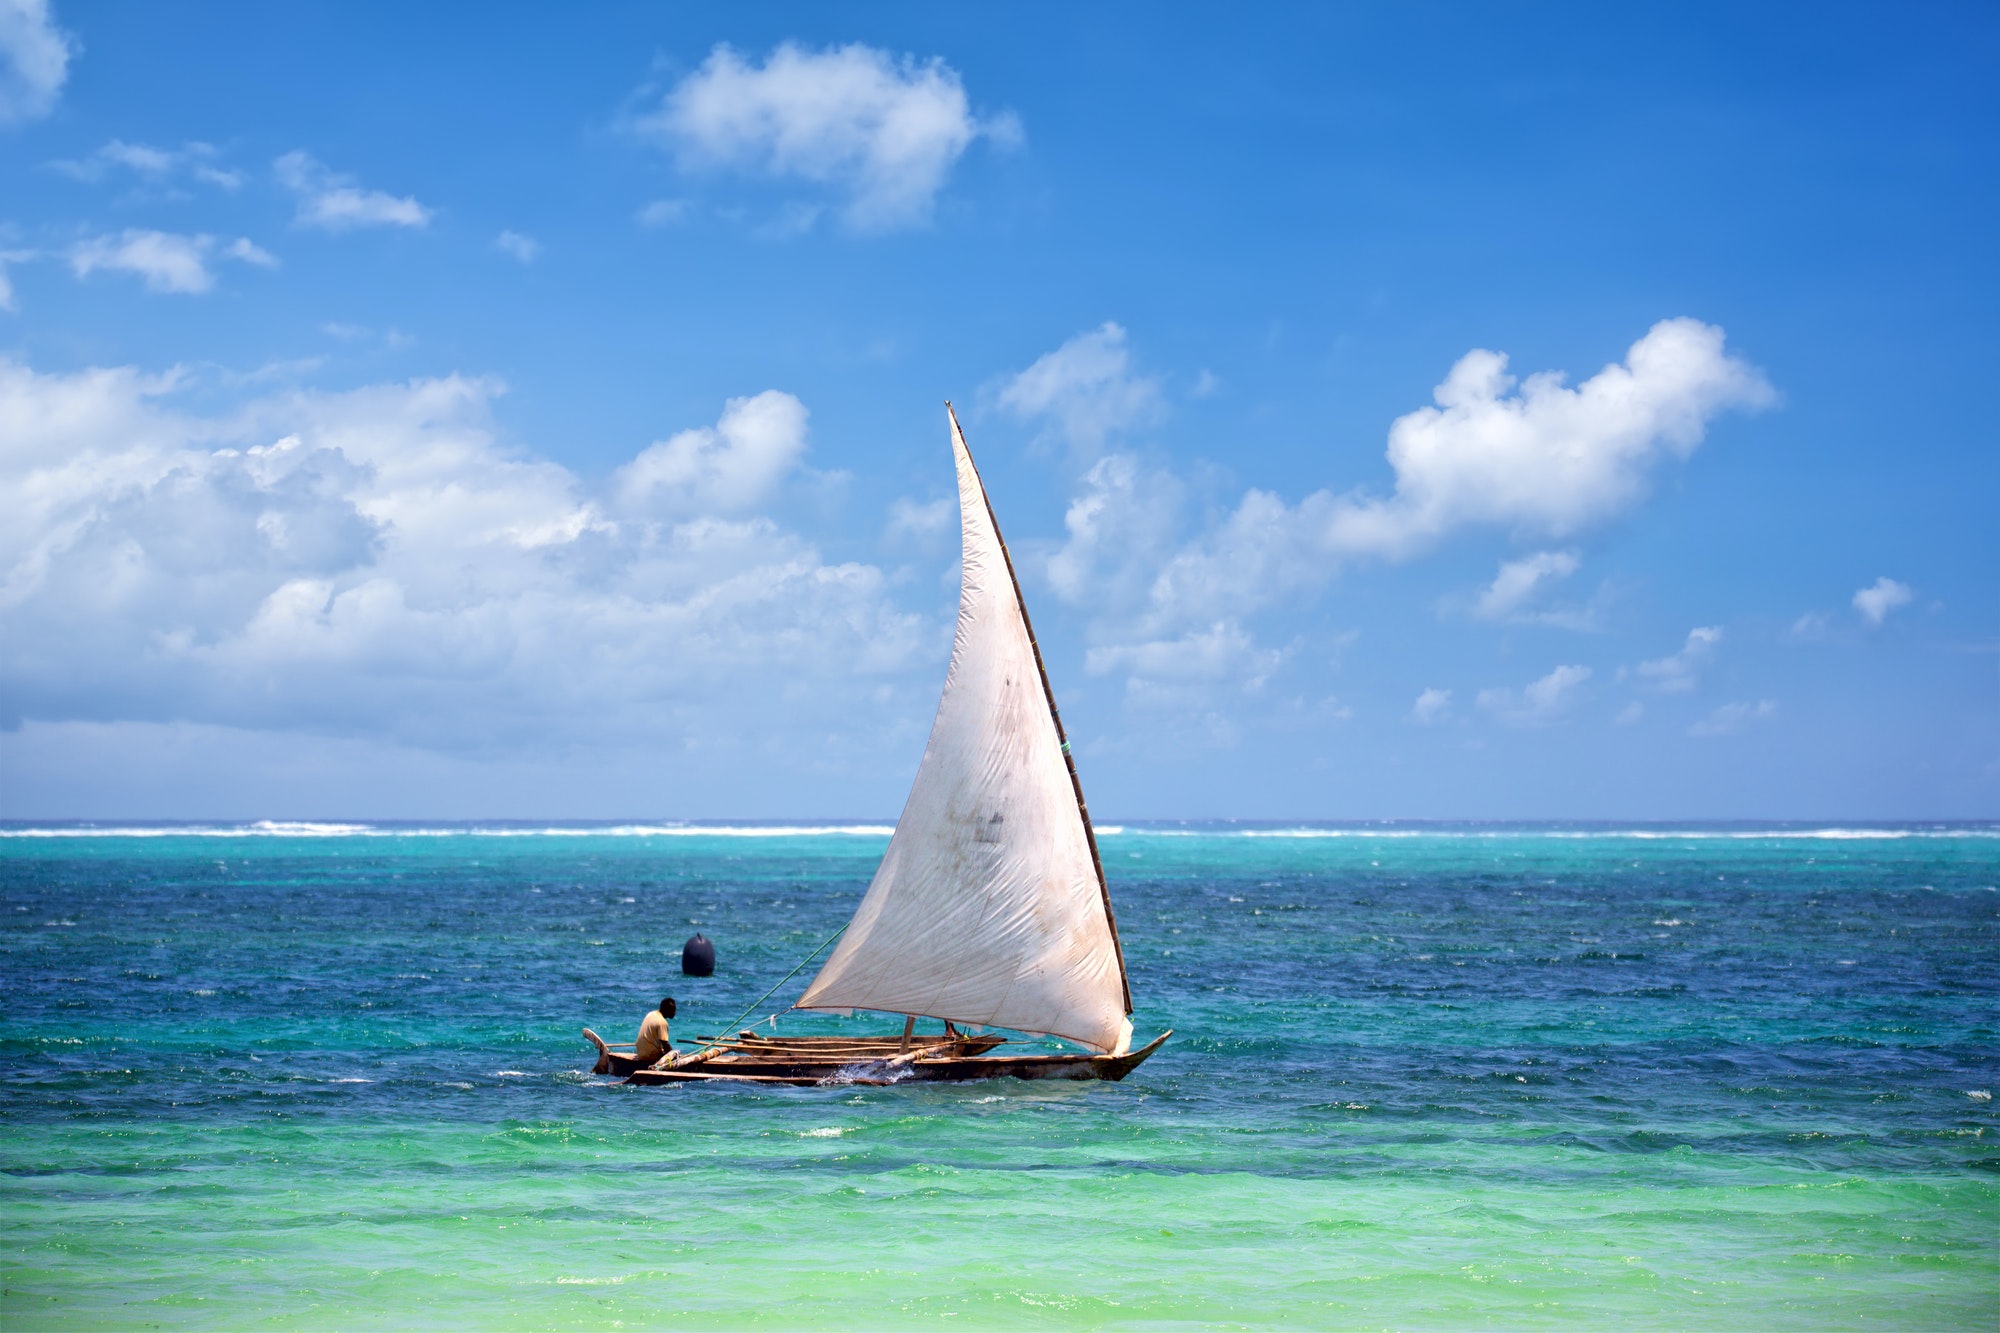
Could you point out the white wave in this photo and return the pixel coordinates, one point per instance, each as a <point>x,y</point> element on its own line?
<point>303,828</point>
<point>746,830</point>
<point>1516,834</point>
<point>1836,834</point>
<point>263,828</point>
<point>280,829</point>
<point>822,1133</point>
<point>269,828</point>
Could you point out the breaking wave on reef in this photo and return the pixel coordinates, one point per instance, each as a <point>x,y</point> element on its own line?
<point>277,828</point>
<point>272,828</point>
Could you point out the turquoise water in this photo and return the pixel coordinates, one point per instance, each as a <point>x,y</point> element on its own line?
<point>1423,1077</point>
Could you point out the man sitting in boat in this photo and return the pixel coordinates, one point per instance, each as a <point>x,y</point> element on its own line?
<point>653,1040</point>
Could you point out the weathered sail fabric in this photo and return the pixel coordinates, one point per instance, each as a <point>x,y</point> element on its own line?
<point>986,908</point>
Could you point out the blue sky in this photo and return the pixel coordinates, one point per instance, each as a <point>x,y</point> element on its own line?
<point>414,413</point>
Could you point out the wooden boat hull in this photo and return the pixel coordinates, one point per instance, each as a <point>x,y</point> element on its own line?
<point>798,1054</point>
<point>790,1068</point>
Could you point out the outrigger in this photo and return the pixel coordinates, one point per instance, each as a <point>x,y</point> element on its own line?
<point>989,909</point>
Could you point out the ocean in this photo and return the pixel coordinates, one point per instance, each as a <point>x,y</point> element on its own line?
<point>1422,1076</point>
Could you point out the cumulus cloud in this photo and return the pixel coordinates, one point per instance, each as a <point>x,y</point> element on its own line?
<point>34,60</point>
<point>1520,584</point>
<point>1679,672</point>
<point>164,261</point>
<point>1540,457</point>
<point>1879,598</point>
<point>1537,458</point>
<point>251,253</point>
<point>1086,388</point>
<point>1541,701</point>
<point>727,468</point>
<point>335,203</point>
<point>1732,718</point>
<point>1432,706</point>
<point>662,212</point>
<point>1121,527</point>
<point>375,563</point>
<point>7,259</point>
<point>921,520</point>
<point>1221,651</point>
<point>1188,674</point>
<point>882,131</point>
<point>516,246</point>
<point>192,160</point>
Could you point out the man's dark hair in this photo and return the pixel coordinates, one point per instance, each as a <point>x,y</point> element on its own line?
<point>667,1006</point>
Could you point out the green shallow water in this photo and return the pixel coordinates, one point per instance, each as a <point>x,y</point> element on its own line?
<point>1442,1081</point>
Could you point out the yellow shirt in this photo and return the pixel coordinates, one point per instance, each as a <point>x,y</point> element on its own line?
<point>652,1037</point>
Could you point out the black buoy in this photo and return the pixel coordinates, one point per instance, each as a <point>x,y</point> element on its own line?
<point>698,957</point>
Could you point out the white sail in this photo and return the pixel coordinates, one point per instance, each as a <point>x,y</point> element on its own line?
<point>988,907</point>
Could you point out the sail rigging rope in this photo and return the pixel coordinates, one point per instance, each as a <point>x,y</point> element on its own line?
<point>724,1033</point>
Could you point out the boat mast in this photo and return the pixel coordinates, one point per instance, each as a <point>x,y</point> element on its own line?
<point>1055,714</point>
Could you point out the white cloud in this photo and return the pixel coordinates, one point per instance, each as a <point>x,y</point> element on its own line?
<point>34,60</point>
<point>1732,718</point>
<point>1545,461</point>
<point>7,258</point>
<point>661,212</point>
<point>156,166</point>
<point>1087,388</point>
<point>1678,673</point>
<point>335,203</point>
<point>1432,706</point>
<point>728,468</point>
<point>1520,582</point>
<point>1186,674</point>
<point>374,563</point>
<point>793,219</point>
<point>1543,458</point>
<point>1121,528</point>
<point>883,132</point>
<point>921,520</point>
<point>392,338</point>
<point>164,261</point>
<point>524,248</point>
<point>1630,714</point>
<point>251,253</point>
<point>1221,651</point>
<point>1541,701</point>
<point>1879,598</point>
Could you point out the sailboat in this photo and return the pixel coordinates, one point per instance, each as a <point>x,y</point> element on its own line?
<point>989,908</point>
